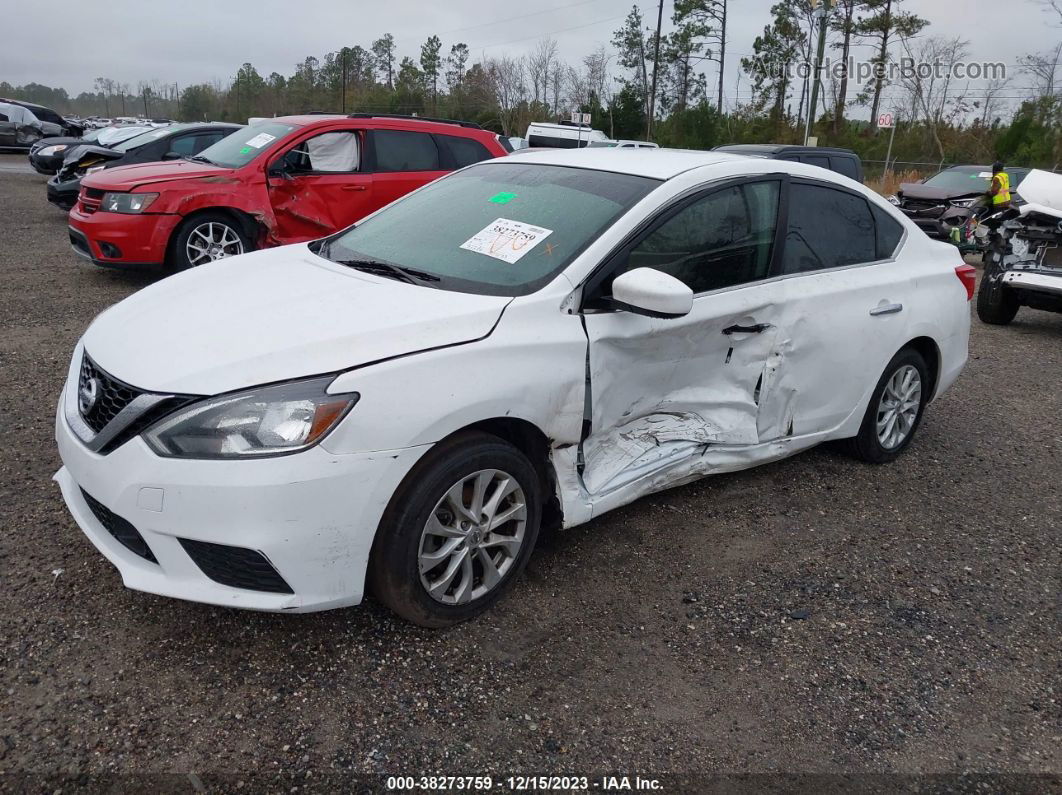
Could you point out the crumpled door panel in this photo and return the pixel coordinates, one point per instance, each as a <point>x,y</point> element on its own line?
<point>301,212</point>
<point>662,391</point>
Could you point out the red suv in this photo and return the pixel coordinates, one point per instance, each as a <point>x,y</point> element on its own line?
<point>283,180</point>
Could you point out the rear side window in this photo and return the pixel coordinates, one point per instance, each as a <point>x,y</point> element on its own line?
<point>828,228</point>
<point>402,150</point>
<point>721,240</point>
<point>845,166</point>
<point>465,151</point>
<point>889,230</point>
<point>817,160</point>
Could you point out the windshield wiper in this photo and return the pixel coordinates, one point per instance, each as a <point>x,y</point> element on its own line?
<point>199,159</point>
<point>380,268</point>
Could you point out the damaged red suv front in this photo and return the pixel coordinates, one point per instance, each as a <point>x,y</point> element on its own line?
<point>285,180</point>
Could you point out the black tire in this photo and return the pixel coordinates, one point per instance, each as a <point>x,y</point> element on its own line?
<point>394,575</point>
<point>179,256</point>
<point>867,446</point>
<point>996,303</point>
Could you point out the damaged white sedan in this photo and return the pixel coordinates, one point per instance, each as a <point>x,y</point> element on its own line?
<point>538,338</point>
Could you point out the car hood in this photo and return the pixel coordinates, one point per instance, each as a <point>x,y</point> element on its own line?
<point>916,190</point>
<point>1043,192</point>
<point>275,315</point>
<point>97,152</point>
<point>133,176</point>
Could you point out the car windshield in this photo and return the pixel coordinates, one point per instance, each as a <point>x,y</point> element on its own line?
<point>143,138</point>
<point>974,180</point>
<point>92,135</point>
<point>245,145</point>
<point>496,228</point>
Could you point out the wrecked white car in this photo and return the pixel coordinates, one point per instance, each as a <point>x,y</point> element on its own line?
<point>1023,257</point>
<point>537,338</point>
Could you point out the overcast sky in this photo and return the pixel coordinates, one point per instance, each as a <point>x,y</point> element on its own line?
<point>196,41</point>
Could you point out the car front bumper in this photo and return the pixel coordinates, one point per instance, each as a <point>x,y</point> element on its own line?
<point>310,516</point>
<point>938,223</point>
<point>63,194</point>
<point>121,239</point>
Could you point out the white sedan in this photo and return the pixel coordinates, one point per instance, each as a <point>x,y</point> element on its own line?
<point>536,338</point>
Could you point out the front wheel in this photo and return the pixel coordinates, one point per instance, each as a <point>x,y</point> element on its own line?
<point>207,238</point>
<point>895,410</point>
<point>458,531</point>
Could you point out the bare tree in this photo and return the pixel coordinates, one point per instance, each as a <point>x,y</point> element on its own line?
<point>541,64</point>
<point>1046,69</point>
<point>930,97</point>
<point>507,77</point>
<point>1051,7</point>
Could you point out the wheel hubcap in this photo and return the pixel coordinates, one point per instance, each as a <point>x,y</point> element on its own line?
<point>899,406</point>
<point>473,537</point>
<point>212,241</point>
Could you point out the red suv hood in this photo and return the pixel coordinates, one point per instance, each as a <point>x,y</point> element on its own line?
<point>124,178</point>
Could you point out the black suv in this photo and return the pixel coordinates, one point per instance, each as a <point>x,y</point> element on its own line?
<point>843,161</point>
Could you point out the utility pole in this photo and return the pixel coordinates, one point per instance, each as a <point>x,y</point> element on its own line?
<point>822,14</point>
<point>177,93</point>
<point>343,60</point>
<point>656,69</point>
<point>145,102</point>
<point>722,57</point>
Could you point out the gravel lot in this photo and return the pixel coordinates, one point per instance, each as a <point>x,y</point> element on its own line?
<point>813,616</point>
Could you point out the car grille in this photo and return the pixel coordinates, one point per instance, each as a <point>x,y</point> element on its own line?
<point>112,395</point>
<point>236,567</point>
<point>123,532</point>
<point>921,206</point>
<point>90,199</point>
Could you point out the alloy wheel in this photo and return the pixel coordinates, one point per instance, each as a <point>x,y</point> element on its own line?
<point>899,406</point>
<point>473,537</point>
<point>212,241</point>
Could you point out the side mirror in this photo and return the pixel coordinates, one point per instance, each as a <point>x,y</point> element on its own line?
<point>172,156</point>
<point>646,291</point>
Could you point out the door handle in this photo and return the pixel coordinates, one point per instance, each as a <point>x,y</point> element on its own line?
<point>354,187</point>
<point>757,329</point>
<point>886,309</point>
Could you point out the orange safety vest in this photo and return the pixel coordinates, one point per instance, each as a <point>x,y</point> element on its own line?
<point>1003,197</point>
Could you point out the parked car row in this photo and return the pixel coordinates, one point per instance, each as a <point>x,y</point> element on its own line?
<point>24,123</point>
<point>421,375</point>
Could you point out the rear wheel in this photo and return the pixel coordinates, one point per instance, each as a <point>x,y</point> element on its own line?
<point>458,531</point>
<point>895,410</point>
<point>996,303</point>
<point>209,237</point>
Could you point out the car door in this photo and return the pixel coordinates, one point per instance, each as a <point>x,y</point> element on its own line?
<point>403,161</point>
<point>663,390</point>
<point>847,301</point>
<point>317,185</point>
<point>7,130</point>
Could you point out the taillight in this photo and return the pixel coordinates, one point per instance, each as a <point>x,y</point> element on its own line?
<point>968,276</point>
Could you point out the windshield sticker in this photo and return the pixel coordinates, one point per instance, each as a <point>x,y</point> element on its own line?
<point>245,150</point>
<point>502,198</point>
<point>261,140</point>
<point>506,240</point>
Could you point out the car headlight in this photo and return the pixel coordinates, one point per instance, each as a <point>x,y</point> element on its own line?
<point>127,202</point>
<point>48,151</point>
<point>894,200</point>
<point>963,202</point>
<point>267,421</point>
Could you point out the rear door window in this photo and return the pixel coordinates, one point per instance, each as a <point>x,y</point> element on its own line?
<point>828,228</point>
<point>846,166</point>
<point>464,151</point>
<point>889,233</point>
<point>403,150</point>
<point>817,160</point>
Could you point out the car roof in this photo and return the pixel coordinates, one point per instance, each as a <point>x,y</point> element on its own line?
<point>383,120</point>
<point>774,149</point>
<point>654,163</point>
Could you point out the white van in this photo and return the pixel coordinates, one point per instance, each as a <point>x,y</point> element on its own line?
<point>561,136</point>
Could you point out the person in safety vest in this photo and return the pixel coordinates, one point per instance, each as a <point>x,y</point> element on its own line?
<point>999,192</point>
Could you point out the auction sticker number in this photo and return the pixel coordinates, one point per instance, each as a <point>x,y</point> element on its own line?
<point>506,240</point>
<point>261,140</point>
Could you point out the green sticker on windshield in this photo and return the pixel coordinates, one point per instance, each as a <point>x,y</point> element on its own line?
<point>245,150</point>
<point>502,198</point>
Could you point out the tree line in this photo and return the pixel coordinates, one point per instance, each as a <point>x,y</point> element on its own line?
<point>666,86</point>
